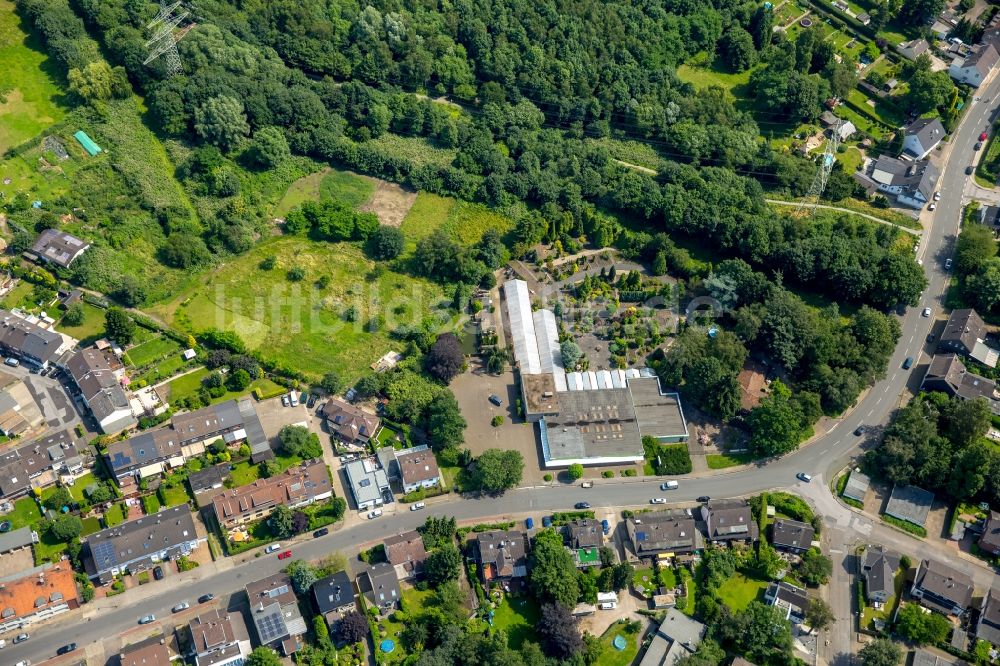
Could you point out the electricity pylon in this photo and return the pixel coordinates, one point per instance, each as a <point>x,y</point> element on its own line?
<point>164,39</point>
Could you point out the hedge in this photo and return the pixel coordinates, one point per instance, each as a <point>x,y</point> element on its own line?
<point>791,506</point>
<point>905,525</point>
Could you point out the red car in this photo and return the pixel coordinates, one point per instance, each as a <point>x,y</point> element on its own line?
<point>982,137</point>
<point>284,555</point>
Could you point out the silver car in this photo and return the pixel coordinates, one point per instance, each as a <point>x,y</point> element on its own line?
<point>181,606</point>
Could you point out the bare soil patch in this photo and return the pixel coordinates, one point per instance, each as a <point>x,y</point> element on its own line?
<point>390,202</point>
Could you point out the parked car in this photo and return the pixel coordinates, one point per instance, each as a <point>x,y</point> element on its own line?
<point>146,619</point>
<point>802,476</point>
<point>979,144</point>
<point>417,506</point>
<point>947,264</point>
<point>205,598</point>
<point>669,485</point>
<point>933,206</point>
<point>982,137</point>
<point>321,532</point>
<point>930,338</point>
<point>285,401</point>
<point>969,170</point>
<point>285,555</point>
<point>495,399</point>
<point>704,498</point>
<point>181,606</point>
<point>582,505</point>
<point>860,430</point>
<point>606,526</point>
<point>3,643</point>
<point>66,649</point>
<point>375,513</point>
<point>273,547</point>
<point>908,363</point>
<point>658,500</point>
<point>20,638</point>
<point>23,662</point>
<point>937,196</point>
<point>529,523</point>
<point>546,521</point>
<point>312,400</point>
<point>294,399</point>
<point>12,362</point>
<point>158,572</point>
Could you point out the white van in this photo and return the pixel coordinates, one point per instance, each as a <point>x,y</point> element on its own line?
<point>294,399</point>
<point>669,485</point>
<point>608,605</point>
<point>273,547</point>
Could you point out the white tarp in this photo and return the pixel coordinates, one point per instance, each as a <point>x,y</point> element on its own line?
<point>522,327</point>
<point>547,338</point>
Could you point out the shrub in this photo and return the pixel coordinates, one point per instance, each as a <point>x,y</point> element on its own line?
<point>791,506</point>
<point>628,472</point>
<point>607,474</point>
<point>547,477</point>
<point>673,459</point>
<point>497,421</point>
<point>296,274</point>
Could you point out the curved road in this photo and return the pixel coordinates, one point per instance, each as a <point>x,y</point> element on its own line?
<point>97,621</point>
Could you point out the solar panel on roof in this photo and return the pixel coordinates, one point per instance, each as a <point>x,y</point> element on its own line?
<point>104,554</point>
<point>641,536</point>
<point>271,627</point>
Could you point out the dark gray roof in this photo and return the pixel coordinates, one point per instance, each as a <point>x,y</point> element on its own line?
<point>730,519</point>
<point>139,538</point>
<point>18,538</point>
<point>990,540</point>
<point>925,658</point>
<point>208,478</point>
<point>333,592</point>
<point>910,503</point>
<point>945,582</point>
<point>964,328</point>
<point>988,627</point>
<point>18,466</point>
<point>983,59</point>
<point>379,584</point>
<point>143,449</point>
<point>792,534</point>
<point>59,247</point>
<point>878,567</point>
<point>912,177</point>
<point>929,131</point>
<point>27,339</point>
<point>585,533</point>
<point>673,530</point>
<point>857,486</point>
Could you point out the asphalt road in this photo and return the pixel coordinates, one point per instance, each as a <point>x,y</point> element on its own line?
<point>93,623</point>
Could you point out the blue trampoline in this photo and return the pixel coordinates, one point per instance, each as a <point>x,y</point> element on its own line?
<point>387,646</point>
<point>619,642</point>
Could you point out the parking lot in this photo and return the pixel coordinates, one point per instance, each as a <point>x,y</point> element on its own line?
<point>472,391</point>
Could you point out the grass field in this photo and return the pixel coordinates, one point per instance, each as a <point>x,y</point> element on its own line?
<point>739,591</point>
<point>415,149</point>
<point>76,490</point>
<point>189,384</point>
<point>702,73</point>
<point>297,324</point>
<point>612,656</point>
<point>722,460</point>
<point>92,326</point>
<point>347,187</point>
<point>151,351</point>
<point>19,296</point>
<point>115,515</point>
<point>244,474</point>
<point>464,221</point>
<point>30,96</point>
<point>518,617</point>
<point>851,159</point>
<point>25,513</point>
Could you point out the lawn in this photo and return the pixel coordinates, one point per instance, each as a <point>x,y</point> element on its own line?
<point>882,111</point>
<point>90,525</point>
<point>612,656</point>
<point>30,95</point>
<point>297,324</point>
<point>466,222</point>
<point>347,187</point>
<point>92,326</point>
<point>116,515</point>
<point>724,460</point>
<point>739,591</point>
<point>517,616</point>
<point>244,473</point>
<point>869,615</point>
<point>80,485</point>
<point>702,73</point>
<point>644,579</point>
<point>851,159</point>
<point>154,350</point>
<point>173,496</point>
<point>19,296</point>
<point>189,384</point>
<point>689,600</point>
<point>165,369</point>
<point>25,513</point>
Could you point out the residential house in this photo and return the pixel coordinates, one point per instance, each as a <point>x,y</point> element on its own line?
<point>35,595</point>
<point>501,555</point>
<point>791,535</point>
<point>351,424</point>
<point>207,483</point>
<point>921,137</point>
<point>863,18</point>
<point>368,482</point>
<point>878,570</point>
<point>18,410</point>
<point>988,627</point>
<point>909,503</point>
<point>913,49</point>
<point>152,651</point>
<point>417,468</point>
<point>729,520</point>
<point>297,486</point>
<point>990,540</point>
<point>753,385</point>
<point>140,544</point>
<point>40,463</point>
<point>20,539</point>
<point>942,588</point>
<point>33,344</point>
<point>844,130</point>
<point>943,26</point>
<point>946,373</point>
<point>791,599</point>
<point>857,486</point>
<point>989,216</point>
<point>677,636</point>
<point>406,552</point>
<point>975,68</point>
<point>965,334</point>
<point>928,658</point>
<point>912,183</point>
<point>585,536</point>
<point>219,638</point>
<point>274,609</point>
<point>662,532</point>
<point>55,246</point>
<point>333,597</point>
<point>98,375</point>
<point>380,587</point>
<point>147,454</point>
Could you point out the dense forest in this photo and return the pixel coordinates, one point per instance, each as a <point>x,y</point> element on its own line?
<point>535,84</point>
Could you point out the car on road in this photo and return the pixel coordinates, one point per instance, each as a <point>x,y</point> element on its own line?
<point>937,196</point>
<point>669,485</point>
<point>704,498</point>
<point>969,170</point>
<point>321,532</point>
<point>947,264</point>
<point>908,363</point>
<point>158,572</point>
<point>979,144</point>
<point>20,638</point>
<point>802,476</point>
<point>495,399</point>
<point>205,598</point>
<point>933,206</point>
<point>372,515</point>
<point>273,547</point>
<point>417,506</point>
<point>982,137</point>
<point>3,643</point>
<point>582,505</point>
<point>930,338</point>
<point>66,649</point>
<point>179,607</point>
<point>658,500</point>
<point>146,619</point>
<point>23,662</point>
<point>284,555</point>
<point>860,430</point>
<point>926,312</point>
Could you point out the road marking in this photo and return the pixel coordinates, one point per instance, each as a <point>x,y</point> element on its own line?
<point>911,338</point>
<point>870,411</point>
<point>834,550</point>
<point>823,451</point>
